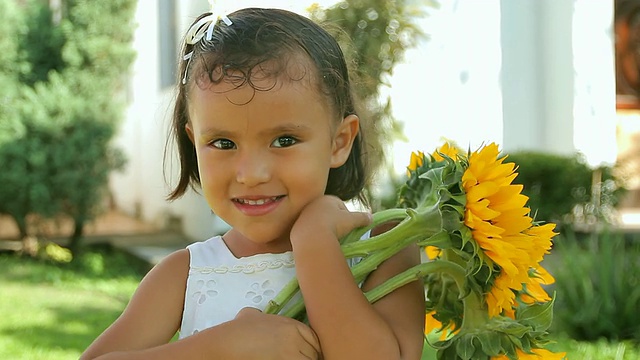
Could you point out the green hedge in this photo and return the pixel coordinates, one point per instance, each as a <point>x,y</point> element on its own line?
<point>556,184</point>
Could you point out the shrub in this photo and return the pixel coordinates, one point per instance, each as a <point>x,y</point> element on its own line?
<point>598,286</point>
<point>556,184</point>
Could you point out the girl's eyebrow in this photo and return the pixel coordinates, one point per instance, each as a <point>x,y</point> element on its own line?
<point>215,132</point>
<point>278,129</point>
<point>286,128</point>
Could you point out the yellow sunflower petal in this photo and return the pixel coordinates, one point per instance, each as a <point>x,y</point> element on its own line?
<point>544,276</point>
<point>415,162</point>
<point>431,324</point>
<point>535,293</point>
<point>508,197</point>
<point>482,210</point>
<point>513,221</point>
<point>481,191</point>
<point>432,252</point>
<point>537,354</point>
<point>446,149</point>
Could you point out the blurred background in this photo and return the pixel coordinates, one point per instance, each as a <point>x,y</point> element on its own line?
<point>86,100</point>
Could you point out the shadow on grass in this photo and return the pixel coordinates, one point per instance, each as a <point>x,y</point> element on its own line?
<point>97,261</point>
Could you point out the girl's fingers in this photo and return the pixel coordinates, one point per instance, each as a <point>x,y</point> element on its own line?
<point>310,337</point>
<point>308,352</point>
<point>247,311</point>
<point>364,218</point>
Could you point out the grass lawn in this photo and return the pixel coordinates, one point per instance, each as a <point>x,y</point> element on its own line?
<point>53,312</point>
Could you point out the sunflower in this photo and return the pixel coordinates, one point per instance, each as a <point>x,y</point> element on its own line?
<point>484,282</point>
<point>500,224</point>
<point>491,235</point>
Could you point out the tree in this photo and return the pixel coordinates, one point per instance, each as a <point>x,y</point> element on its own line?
<point>69,75</point>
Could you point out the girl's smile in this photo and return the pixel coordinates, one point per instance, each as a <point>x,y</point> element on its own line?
<point>257,205</point>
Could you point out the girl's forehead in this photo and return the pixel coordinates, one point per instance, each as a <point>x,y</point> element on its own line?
<point>267,94</point>
<point>239,68</point>
<point>241,84</point>
<point>244,113</point>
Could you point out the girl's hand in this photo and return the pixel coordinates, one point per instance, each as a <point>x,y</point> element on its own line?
<point>327,215</point>
<point>265,336</point>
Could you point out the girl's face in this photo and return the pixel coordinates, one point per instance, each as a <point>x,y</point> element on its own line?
<point>264,155</point>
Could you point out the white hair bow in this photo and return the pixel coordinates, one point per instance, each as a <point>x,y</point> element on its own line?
<point>203,28</point>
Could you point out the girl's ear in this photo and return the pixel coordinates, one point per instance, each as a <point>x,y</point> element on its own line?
<point>343,140</point>
<point>189,132</point>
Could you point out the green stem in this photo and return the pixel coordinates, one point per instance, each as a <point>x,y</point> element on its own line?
<point>415,273</point>
<point>359,271</point>
<point>370,263</point>
<point>295,310</point>
<point>424,222</point>
<point>381,217</point>
<point>276,304</point>
<point>417,225</point>
<point>475,313</point>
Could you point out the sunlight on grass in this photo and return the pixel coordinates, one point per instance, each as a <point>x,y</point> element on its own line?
<point>54,312</point>
<point>579,350</point>
<point>599,350</point>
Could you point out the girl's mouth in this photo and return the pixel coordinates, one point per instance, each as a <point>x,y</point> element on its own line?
<point>257,206</point>
<point>258,202</point>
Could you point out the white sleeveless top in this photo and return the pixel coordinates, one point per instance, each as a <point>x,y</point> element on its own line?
<point>219,285</point>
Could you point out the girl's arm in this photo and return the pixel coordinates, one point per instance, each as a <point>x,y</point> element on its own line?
<point>347,325</point>
<point>154,314</point>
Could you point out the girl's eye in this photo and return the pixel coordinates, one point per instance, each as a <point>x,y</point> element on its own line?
<point>284,141</point>
<point>223,144</point>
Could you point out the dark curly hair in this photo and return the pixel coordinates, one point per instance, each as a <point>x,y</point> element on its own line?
<point>258,36</point>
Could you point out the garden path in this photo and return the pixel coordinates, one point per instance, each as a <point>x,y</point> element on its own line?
<point>142,239</point>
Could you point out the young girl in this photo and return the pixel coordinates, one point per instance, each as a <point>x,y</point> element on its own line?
<point>266,127</point>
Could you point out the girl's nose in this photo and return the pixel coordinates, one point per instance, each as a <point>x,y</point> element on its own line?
<point>252,168</point>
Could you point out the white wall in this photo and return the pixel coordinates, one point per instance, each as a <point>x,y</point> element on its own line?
<point>141,189</point>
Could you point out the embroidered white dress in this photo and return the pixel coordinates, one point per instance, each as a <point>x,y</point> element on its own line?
<point>219,285</point>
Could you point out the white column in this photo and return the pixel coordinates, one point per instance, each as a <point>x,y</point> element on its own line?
<point>537,75</point>
<point>595,103</point>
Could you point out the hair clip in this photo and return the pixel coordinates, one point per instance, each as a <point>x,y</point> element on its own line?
<point>204,29</point>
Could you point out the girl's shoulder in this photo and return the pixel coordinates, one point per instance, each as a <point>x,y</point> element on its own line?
<point>211,251</point>
<point>174,264</point>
